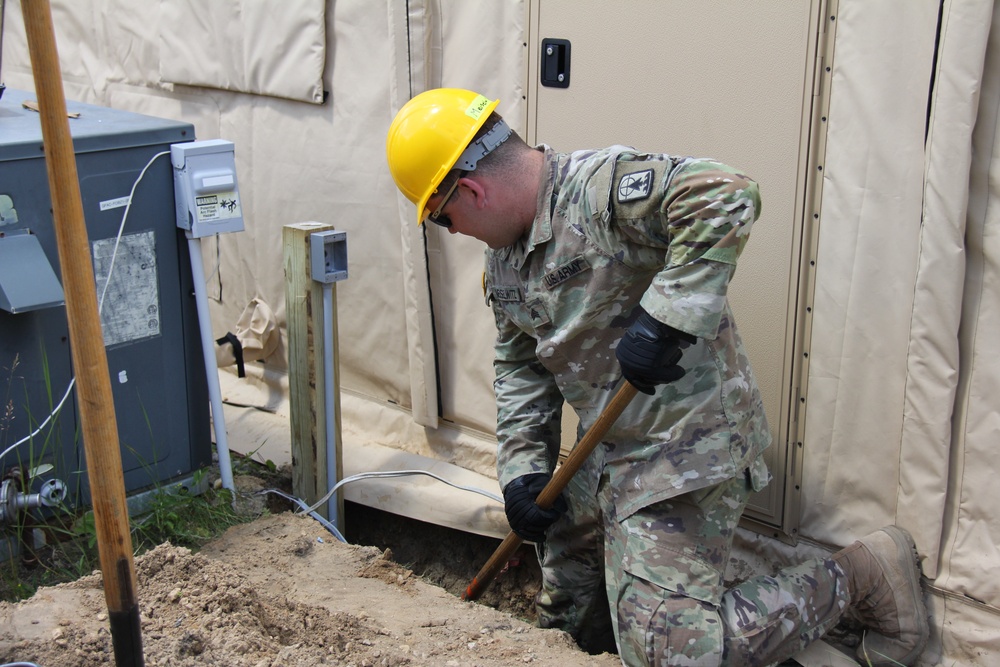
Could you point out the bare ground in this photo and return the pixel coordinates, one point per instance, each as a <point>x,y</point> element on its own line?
<point>282,591</point>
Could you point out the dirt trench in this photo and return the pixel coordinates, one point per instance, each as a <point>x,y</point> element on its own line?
<point>281,591</point>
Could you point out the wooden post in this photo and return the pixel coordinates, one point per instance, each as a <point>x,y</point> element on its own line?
<point>306,393</point>
<point>90,363</point>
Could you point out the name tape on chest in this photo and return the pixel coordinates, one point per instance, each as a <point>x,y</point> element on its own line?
<point>565,272</point>
<point>633,187</point>
<point>508,293</point>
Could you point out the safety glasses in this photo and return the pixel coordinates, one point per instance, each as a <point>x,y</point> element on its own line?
<point>436,217</point>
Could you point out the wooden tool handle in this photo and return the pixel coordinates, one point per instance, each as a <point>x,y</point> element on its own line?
<point>99,428</point>
<point>559,480</point>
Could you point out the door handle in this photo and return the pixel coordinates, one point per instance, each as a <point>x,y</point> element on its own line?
<point>555,63</point>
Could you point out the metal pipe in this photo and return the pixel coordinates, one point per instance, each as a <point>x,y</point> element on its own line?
<point>330,409</point>
<point>13,501</point>
<point>211,366</point>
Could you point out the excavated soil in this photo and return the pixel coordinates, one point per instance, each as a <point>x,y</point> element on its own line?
<point>282,591</point>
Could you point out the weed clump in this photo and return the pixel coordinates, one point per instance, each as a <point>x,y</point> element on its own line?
<point>63,546</point>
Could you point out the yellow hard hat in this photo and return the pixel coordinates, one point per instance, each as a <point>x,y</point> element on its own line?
<point>428,136</point>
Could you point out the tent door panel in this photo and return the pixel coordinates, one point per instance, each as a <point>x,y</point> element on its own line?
<point>712,79</point>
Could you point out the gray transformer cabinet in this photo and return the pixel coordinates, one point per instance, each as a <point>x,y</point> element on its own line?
<point>149,316</point>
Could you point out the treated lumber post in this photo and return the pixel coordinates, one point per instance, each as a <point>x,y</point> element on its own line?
<point>306,394</point>
<point>99,427</point>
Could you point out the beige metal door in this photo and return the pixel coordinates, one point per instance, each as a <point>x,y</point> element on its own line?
<point>721,79</point>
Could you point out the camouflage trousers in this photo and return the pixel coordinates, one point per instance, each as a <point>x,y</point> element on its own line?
<point>660,573</point>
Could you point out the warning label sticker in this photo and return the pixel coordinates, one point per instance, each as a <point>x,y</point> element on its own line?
<point>220,206</point>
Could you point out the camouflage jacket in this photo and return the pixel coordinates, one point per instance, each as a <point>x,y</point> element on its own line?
<point>616,229</point>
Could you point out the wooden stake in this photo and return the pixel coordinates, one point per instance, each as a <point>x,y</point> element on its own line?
<point>90,363</point>
<point>306,393</point>
<point>559,480</point>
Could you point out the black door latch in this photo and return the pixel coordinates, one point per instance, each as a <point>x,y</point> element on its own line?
<point>555,63</point>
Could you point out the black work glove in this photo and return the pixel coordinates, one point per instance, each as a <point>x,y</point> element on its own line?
<point>527,519</point>
<point>649,352</point>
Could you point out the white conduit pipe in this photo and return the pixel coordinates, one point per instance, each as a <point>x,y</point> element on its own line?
<point>211,366</point>
<point>330,410</point>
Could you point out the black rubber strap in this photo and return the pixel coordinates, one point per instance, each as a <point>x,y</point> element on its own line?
<point>231,338</point>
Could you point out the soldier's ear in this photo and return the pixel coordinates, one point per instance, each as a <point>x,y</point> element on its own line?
<point>478,188</point>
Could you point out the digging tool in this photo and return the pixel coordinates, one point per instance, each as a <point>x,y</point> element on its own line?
<point>90,362</point>
<point>559,480</point>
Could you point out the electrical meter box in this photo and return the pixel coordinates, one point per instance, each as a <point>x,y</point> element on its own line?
<point>148,311</point>
<point>207,194</point>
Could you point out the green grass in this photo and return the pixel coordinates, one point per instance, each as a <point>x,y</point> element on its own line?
<point>170,515</point>
<point>176,516</point>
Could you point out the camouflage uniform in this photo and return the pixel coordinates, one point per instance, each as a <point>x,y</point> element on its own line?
<point>654,508</point>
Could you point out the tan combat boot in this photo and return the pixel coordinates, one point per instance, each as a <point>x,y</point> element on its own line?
<point>884,581</point>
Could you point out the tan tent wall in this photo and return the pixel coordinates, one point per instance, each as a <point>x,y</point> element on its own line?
<point>900,413</point>
<point>971,523</point>
<point>901,417</point>
<point>300,161</point>
<point>870,248</point>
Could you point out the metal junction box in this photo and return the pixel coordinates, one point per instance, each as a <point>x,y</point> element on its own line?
<point>148,315</point>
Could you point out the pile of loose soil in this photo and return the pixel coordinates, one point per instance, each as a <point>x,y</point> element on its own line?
<point>280,591</point>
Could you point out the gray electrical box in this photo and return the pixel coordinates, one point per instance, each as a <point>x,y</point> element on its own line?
<point>148,315</point>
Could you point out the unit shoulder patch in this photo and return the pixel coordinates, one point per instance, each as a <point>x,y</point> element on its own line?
<point>635,186</point>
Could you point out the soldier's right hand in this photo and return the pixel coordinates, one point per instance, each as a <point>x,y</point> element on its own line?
<point>650,351</point>
<point>526,518</point>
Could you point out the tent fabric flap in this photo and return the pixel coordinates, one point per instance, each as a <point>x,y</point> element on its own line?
<point>279,53</point>
<point>971,547</point>
<point>869,236</point>
<point>902,421</point>
<point>933,356</point>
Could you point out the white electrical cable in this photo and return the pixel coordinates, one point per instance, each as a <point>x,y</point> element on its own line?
<point>121,228</point>
<point>100,305</point>
<point>301,503</point>
<point>42,425</point>
<point>398,473</point>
